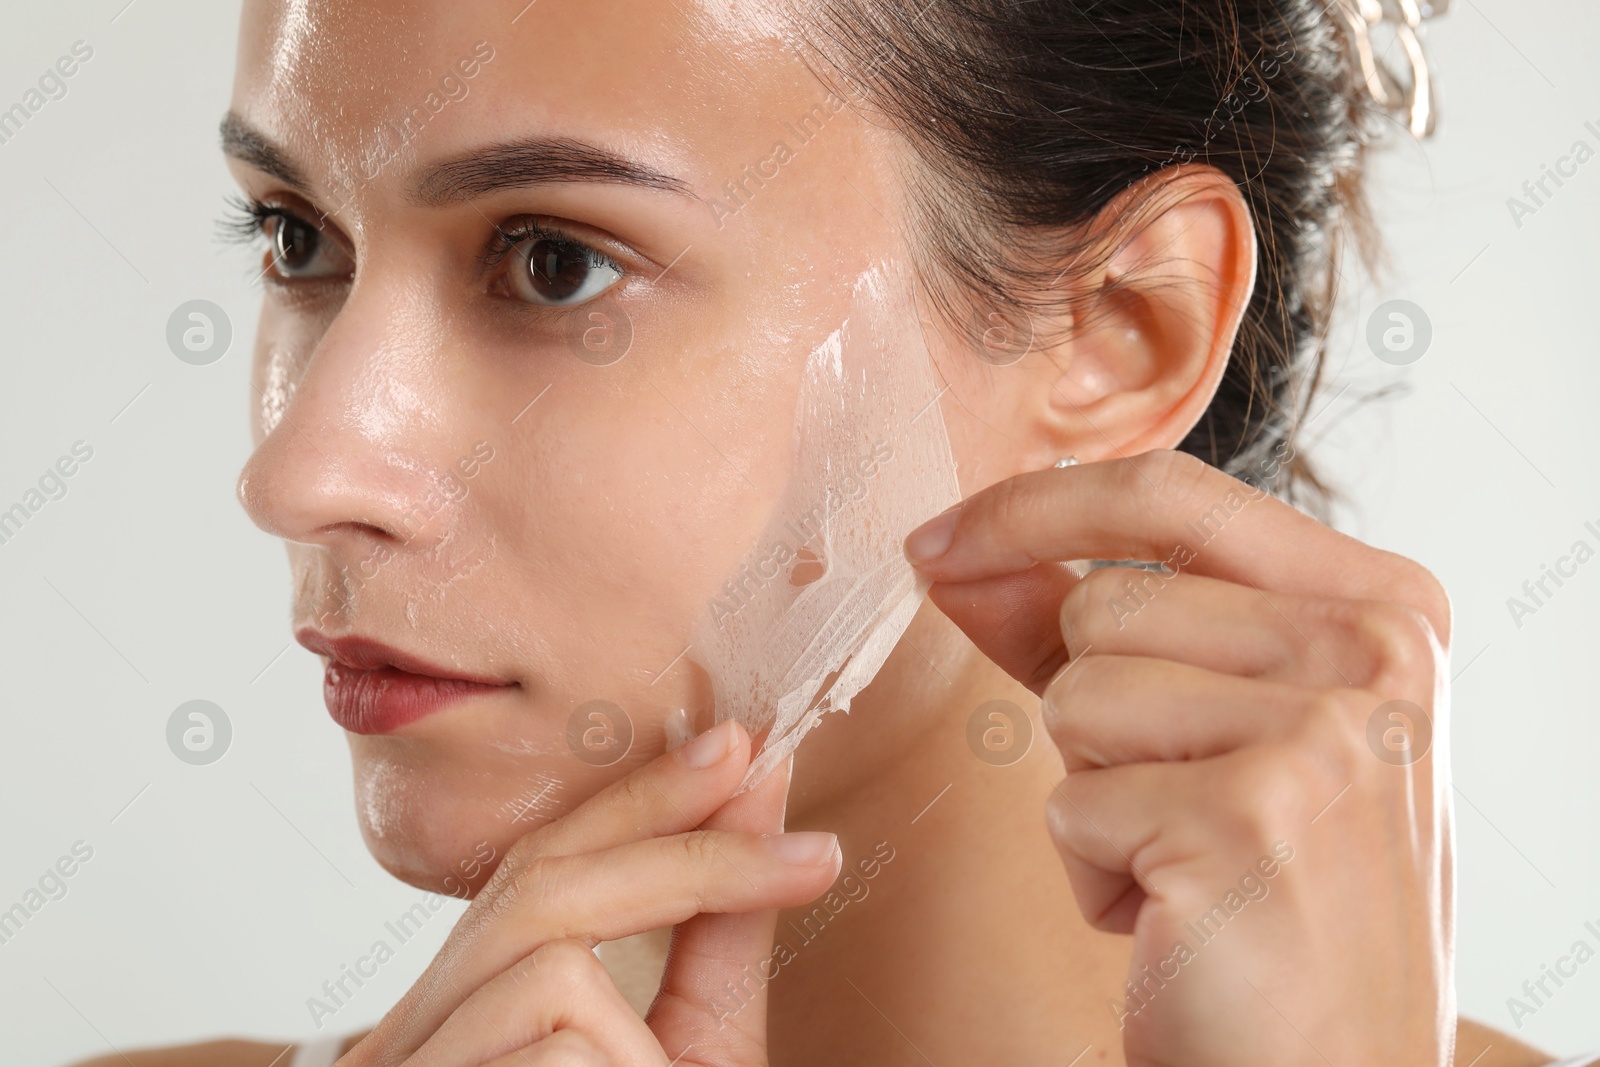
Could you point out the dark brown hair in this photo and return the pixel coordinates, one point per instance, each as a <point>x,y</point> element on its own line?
<point>1030,116</point>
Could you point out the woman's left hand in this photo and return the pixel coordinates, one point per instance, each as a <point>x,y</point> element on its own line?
<point>516,983</point>
<point>1256,754</point>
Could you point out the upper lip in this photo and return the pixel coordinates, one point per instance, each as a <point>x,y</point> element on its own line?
<point>365,654</point>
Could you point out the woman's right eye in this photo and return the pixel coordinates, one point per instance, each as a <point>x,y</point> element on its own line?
<point>300,251</point>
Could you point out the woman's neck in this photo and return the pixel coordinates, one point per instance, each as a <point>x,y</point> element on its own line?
<point>951,935</point>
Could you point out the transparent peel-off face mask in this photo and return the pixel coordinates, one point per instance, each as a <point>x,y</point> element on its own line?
<point>820,601</point>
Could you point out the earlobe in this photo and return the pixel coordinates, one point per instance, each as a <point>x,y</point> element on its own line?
<point>1160,316</point>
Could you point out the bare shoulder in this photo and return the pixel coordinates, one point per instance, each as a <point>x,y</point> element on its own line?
<point>228,1052</point>
<point>1484,1046</point>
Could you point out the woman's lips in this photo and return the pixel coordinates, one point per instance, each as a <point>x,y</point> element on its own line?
<point>371,688</point>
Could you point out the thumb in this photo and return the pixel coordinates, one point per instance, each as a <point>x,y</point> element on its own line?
<point>712,1007</point>
<point>1014,619</point>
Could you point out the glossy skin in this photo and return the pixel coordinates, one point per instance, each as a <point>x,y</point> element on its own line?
<point>1223,718</point>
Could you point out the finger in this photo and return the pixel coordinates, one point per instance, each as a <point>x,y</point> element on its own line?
<point>564,1048</point>
<point>671,794</point>
<point>603,896</point>
<point>1031,622</point>
<point>1111,872</point>
<point>663,881</point>
<point>559,1000</point>
<point>1131,611</point>
<point>1192,619</point>
<point>1234,629</point>
<point>1013,619</point>
<point>1154,829</point>
<point>1105,710</point>
<point>712,1008</point>
<point>1160,506</point>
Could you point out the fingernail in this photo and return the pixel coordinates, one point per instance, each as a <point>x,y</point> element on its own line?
<point>709,748</point>
<point>932,539</point>
<point>806,848</point>
<point>677,728</point>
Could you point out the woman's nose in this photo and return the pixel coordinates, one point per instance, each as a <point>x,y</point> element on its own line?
<point>354,448</point>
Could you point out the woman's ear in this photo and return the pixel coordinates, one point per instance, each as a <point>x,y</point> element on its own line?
<point>1157,318</point>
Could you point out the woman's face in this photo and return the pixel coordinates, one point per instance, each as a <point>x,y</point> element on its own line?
<point>531,459</point>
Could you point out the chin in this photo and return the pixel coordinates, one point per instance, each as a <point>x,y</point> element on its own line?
<point>444,824</point>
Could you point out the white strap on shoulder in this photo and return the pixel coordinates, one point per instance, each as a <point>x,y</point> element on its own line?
<point>319,1053</point>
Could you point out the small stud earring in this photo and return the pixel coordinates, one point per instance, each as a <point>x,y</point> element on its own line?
<point>1067,461</point>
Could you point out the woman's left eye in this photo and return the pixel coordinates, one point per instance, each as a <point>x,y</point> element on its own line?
<point>552,271</point>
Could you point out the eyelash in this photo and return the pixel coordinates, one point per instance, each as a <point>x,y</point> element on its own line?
<point>526,228</point>
<point>244,221</point>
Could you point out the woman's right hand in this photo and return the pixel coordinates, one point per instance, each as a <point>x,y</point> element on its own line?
<point>517,981</point>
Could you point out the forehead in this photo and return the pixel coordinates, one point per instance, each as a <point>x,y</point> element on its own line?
<point>688,87</point>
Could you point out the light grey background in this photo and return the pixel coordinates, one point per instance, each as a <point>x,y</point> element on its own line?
<point>219,898</point>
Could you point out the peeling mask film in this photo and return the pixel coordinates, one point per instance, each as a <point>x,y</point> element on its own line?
<point>818,603</point>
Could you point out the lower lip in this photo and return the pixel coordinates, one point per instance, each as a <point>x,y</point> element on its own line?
<point>382,699</point>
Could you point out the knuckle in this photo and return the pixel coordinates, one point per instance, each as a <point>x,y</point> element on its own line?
<point>1266,791</point>
<point>525,887</point>
<point>523,851</point>
<point>1409,583</point>
<point>1099,584</point>
<point>565,971</point>
<point>1174,473</point>
<point>571,1048</point>
<point>1077,615</point>
<point>1328,746</point>
<point>1064,819</point>
<point>1117,595</point>
<point>503,902</point>
<point>1399,640</point>
<point>1189,897</point>
<point>700,848</point>
<point>635,793</point>
<point>1017,504</point>
<point>1423,590</point>
<point>571,963</point>
<point>1064,704</point>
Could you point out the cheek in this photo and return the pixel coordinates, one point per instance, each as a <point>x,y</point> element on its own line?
<point>285,340</point>
<point>635,492</point>
<point>276,379</point>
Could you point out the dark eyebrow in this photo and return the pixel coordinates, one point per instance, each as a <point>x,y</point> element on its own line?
<point>245,143</point>
<point>510,165</point>
<point>536,161</point>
